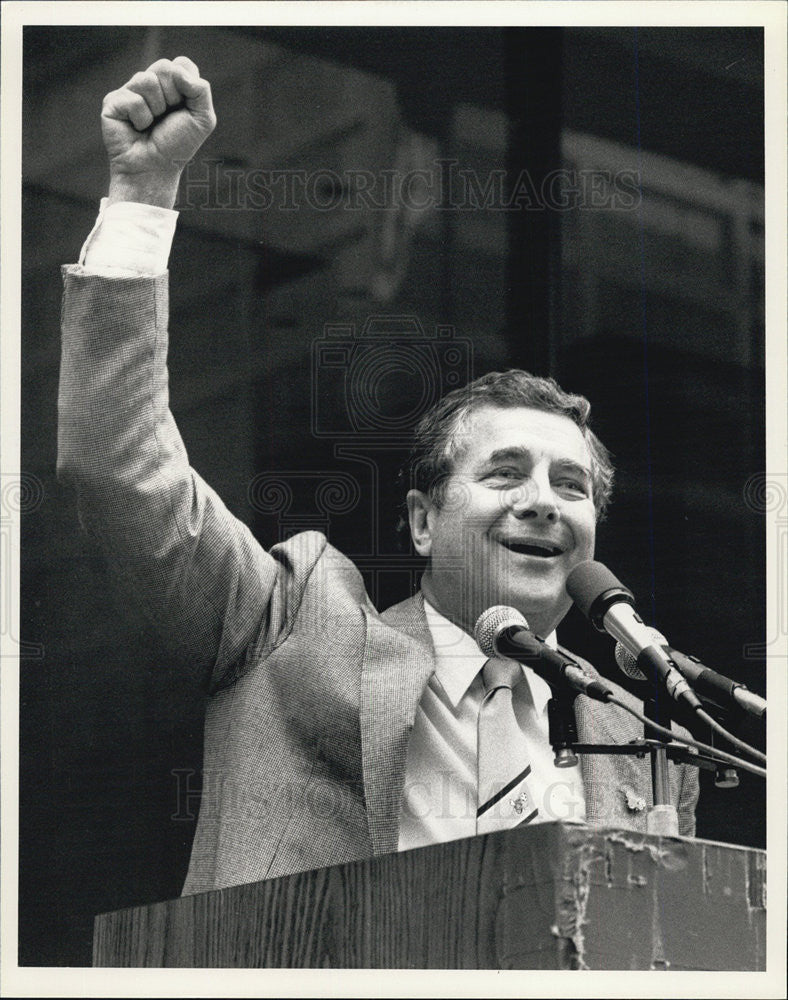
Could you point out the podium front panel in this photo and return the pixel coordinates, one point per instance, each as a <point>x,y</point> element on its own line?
<point>550,896</point>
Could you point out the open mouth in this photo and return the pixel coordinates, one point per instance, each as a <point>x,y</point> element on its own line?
<point>541,549</point>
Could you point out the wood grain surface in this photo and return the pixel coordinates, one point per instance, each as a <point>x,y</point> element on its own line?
<point>551,896</point>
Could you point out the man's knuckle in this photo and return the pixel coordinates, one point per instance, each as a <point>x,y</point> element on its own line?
<point>190,63</point>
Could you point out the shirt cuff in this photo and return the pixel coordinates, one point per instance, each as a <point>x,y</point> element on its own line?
<point>129,239</point>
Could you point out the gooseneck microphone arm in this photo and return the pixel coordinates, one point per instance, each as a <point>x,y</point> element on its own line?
<point>519,643</point>
<point>628,664</point>
<point>717,688</point>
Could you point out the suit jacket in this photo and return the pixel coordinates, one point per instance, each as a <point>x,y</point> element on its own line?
<point>304,754</point>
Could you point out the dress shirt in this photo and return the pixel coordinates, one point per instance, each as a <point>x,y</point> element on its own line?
<point>129,239</point>
<point>439,797</point>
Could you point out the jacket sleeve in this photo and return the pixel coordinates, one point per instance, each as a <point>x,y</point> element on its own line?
<point>196,571</point>
<point>688,800</point>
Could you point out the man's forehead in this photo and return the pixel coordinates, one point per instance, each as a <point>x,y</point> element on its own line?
<point>490,430</point>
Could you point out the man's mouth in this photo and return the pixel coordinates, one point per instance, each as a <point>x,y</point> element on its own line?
<point>544,550</point>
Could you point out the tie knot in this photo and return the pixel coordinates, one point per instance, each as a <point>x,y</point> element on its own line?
<point>500,673</point>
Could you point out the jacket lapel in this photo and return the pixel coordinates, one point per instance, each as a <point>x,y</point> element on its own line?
<point>398,661</point>
<point>617,786</point>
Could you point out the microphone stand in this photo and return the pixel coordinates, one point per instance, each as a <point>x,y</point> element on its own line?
<point>562,726</point>
<point>662,818</point>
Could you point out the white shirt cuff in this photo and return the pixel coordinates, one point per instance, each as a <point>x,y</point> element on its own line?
<point>129,239</point>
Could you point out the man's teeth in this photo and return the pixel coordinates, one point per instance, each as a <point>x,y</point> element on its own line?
<point>530,549</point>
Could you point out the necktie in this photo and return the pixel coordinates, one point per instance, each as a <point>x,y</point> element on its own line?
<point>503,796</point>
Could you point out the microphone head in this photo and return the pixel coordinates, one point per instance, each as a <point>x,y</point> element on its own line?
<point>593,588</point>
<point>489,624</point>
<point>627,662</point>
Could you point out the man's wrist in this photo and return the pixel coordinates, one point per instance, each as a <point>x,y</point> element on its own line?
<point>146,189</point>
<point>130,238</point>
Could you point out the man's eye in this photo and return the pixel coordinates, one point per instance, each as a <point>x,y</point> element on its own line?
<point>573,486</point>
<point>504,474</point>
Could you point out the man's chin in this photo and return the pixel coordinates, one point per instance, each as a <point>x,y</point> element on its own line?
<point>542,613</point>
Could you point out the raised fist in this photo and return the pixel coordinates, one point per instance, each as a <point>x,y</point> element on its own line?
<point>152,126</point>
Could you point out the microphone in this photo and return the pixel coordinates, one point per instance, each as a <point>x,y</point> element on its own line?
<point>627,662</point>
<point>503,631</point>
<point>716,688</point>
<point>609,606</point>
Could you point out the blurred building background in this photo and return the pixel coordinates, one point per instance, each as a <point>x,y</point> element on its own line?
<point>379,215</point>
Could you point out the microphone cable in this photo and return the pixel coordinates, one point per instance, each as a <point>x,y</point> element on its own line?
<point>720,755</point>
<point>718,728</point>
<point>628,665</point>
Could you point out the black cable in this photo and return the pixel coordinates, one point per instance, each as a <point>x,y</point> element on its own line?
<point>713,724</point>
<point>720,755</point>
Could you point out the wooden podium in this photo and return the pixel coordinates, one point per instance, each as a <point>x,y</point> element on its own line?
<point>551,896</point>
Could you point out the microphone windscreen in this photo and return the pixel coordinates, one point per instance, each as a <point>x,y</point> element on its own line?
<point>628,663</point>
<point>587,581</point>
<point>489,624</point>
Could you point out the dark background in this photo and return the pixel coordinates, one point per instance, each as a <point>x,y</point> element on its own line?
<point>653,310</point>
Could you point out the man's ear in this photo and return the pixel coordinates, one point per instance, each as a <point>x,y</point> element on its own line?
<point>419,507</point>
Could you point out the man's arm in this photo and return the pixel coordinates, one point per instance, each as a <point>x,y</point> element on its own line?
<point>197,571</point>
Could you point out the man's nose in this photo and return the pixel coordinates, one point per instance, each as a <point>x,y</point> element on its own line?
<point>534,498</point>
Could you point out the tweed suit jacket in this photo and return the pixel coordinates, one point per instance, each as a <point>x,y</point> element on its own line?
<point>305,754</point>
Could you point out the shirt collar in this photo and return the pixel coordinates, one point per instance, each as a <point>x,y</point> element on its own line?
<point>458,660</point>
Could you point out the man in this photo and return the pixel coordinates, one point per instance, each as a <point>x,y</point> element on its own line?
<point>332,732</point>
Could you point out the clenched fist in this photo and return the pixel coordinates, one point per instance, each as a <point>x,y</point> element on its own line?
<point>152,127</point>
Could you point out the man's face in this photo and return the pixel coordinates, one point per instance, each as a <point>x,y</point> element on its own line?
<point>517,517</point>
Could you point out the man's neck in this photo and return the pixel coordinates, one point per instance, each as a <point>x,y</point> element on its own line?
<point>430,595</point>
<point>537,625</point>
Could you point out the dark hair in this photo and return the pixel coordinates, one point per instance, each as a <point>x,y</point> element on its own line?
<point>438,438</point>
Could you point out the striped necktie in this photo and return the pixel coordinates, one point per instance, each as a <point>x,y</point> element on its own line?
<point>503,797</point>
